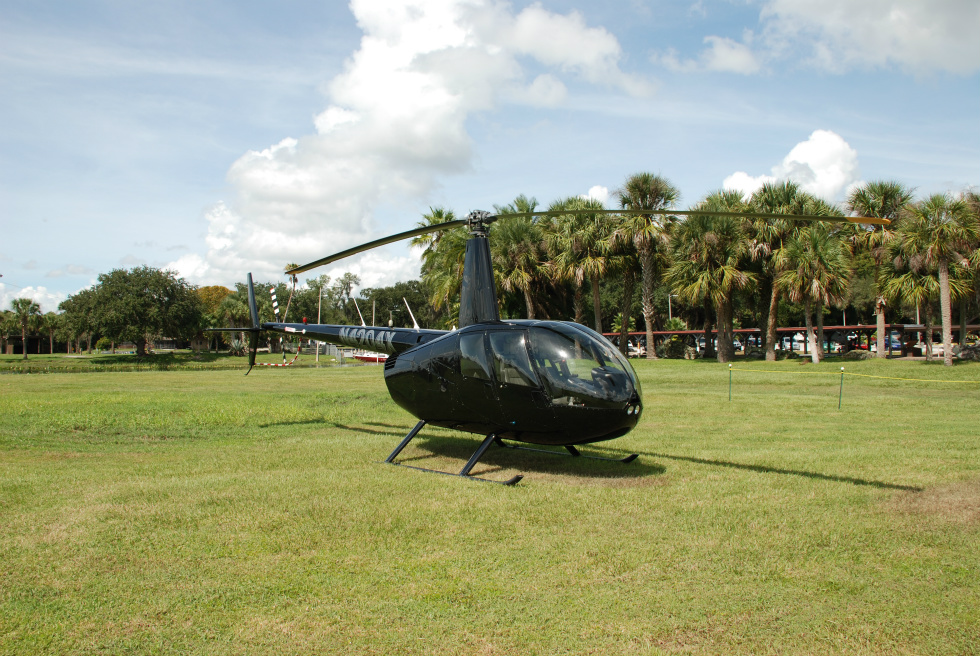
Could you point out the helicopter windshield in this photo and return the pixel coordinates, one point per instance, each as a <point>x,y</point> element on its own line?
<point>579,368</point>
<point>611,352</point>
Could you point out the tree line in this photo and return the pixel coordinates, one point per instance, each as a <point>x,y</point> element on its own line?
<point>144,303</point>
<point>724,271</point>
<point>711,272</point>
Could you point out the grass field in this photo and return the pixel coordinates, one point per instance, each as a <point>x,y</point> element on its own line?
<point>182,360</point>
<point>207,512</point>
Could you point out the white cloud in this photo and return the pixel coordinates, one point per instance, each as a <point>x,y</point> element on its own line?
<point>722,55</point>
<point>599,193</point>
<point>396,124</point>
<point>378,269</point>
<point>824,165</point>
<point>917,36</point>
<point>70,270</point>
<point>48,300</point>
<point>839,35</point>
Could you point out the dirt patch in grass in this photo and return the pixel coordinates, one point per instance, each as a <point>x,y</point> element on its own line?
<point>956,502</point>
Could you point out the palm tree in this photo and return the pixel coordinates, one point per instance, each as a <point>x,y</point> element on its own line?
<point>942,231</point>
<point>907,277</point>
<point>518,250</point>
<point>518,254</point>
<point>883,199</point>
<point>51,322</point>
<point>816,272</point>
<point>767,240</point>
<point>710,253</point>
<point>648,232</point>
<point>28,314</point>
<point>442,262</point>
<point>580,249</point>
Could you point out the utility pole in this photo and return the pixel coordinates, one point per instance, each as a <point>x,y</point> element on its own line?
<point>319,303</point>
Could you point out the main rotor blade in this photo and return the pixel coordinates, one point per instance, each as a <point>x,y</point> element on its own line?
<point>377,242</point>
<point>747,215</point>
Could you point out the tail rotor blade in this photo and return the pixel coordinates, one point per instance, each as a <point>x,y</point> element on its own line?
<point>253,346</point>
<point>251,304</point>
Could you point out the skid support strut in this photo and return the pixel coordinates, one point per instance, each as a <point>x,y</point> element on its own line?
<point>464,472</point>
<point>572,451</point>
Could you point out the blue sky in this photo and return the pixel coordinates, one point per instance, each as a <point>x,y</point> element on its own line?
<point>217,138</point>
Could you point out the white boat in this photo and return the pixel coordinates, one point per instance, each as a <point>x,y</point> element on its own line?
<point>371,356</point>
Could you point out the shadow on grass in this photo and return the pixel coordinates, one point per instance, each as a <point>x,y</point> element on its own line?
<point>792,472</point>
<point>391,430</point>
<point>496,459</point>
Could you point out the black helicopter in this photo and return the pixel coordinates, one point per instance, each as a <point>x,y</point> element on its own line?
<point>546,383</point>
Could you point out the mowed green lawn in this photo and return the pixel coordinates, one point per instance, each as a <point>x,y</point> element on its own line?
<point>207,512</point>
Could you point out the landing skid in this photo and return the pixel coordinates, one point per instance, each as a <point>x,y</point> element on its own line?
<point>572,451</point>
<point>464,472</point>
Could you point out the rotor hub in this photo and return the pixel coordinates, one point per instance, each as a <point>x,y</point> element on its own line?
<point>477,222</point>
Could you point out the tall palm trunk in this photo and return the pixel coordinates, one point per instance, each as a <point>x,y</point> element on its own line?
<point>23,339</point>
<point>709,325</point>
<point>726,351</point>
<point>762,307</point>
<point>579,310</point>
<point>928,331</point>
<point>648,265</point>
<point>528,303</point>
<point>810,335</point>
<point>595,304</point>
<point>629,282</point>
<point>820,336</point>
<point>947,312</point>
<point>962,321</point>
<point>880,314</point>
<point>771,324</point>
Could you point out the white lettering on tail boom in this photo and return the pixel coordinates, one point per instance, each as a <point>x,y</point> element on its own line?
<point>380,340</point>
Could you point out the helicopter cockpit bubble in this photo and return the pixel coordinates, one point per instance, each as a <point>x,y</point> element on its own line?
<point>580,368</point>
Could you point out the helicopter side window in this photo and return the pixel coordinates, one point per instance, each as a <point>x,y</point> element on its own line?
<point>511,364</point>
<point>473,363</point>
<point>441,356</point>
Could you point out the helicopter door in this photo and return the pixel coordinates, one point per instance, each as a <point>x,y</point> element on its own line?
<point>475,386</point>
<point>521,399</point>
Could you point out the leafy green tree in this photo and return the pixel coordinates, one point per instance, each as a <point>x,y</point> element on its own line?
<point>27,314</point>
<point>389,304</point>
<point>51,323</point>
<point>134,305</point>
<point>942,231</point>
<point>580,249</point>
<point>710,255</point>
<point>8,326</point>
<point>649,233</point>
<point>344,292</point>
<point>882,199</point>
<point>79,317</point>
<point>211,297</point>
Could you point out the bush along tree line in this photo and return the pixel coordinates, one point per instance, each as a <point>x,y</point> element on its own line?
<point>712,273</point>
